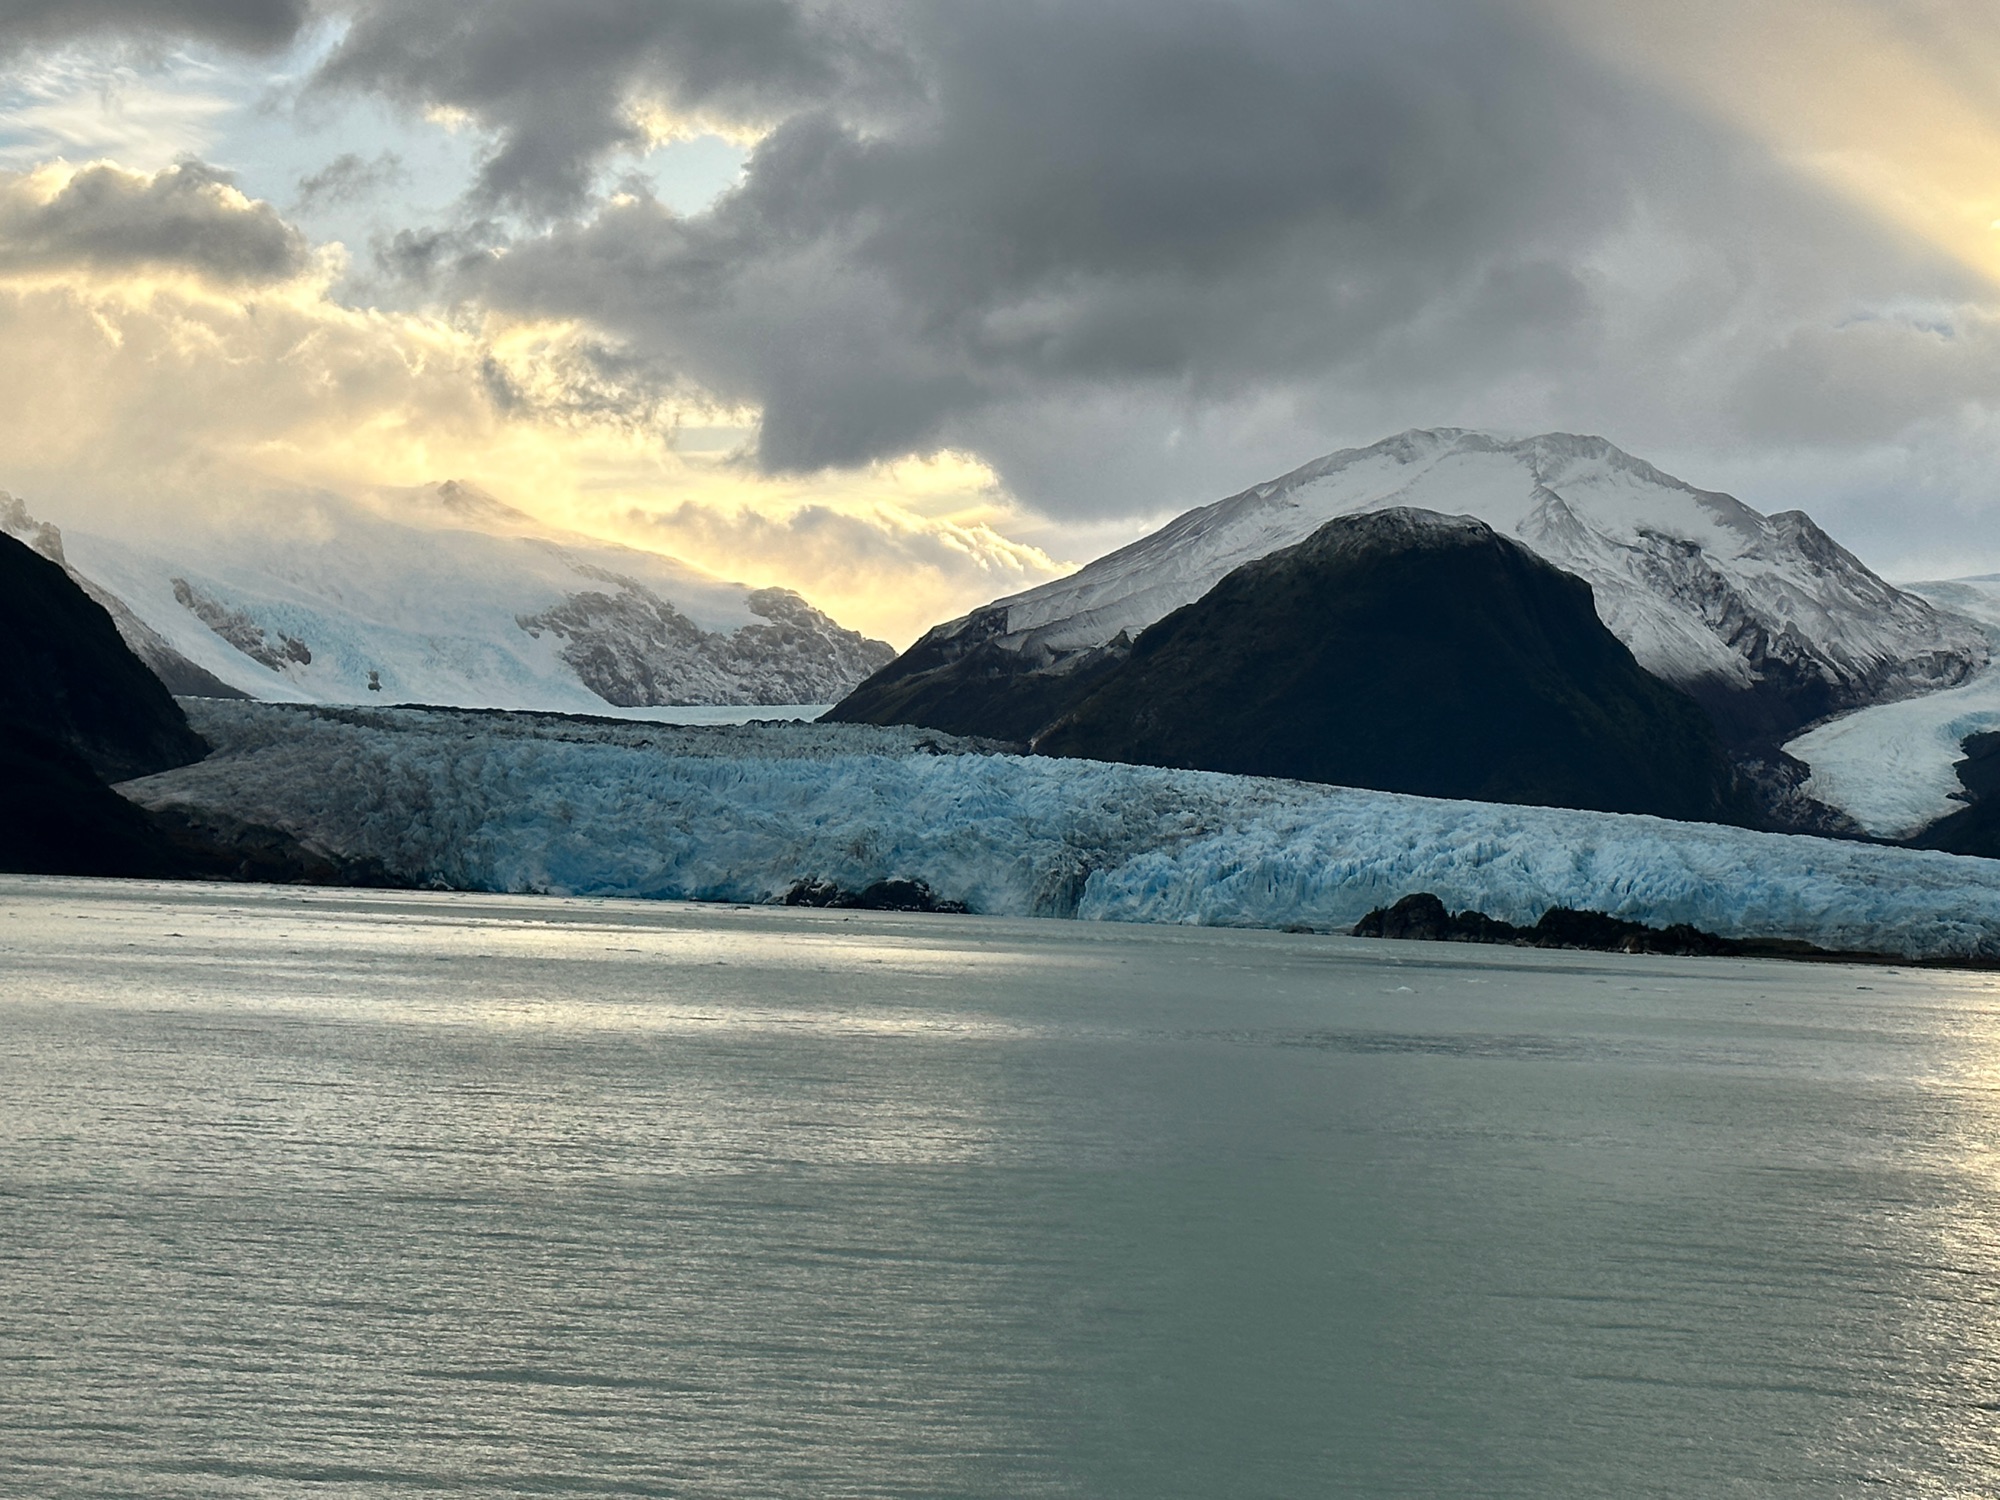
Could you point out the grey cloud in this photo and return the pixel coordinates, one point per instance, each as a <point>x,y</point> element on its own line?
<point>558,84</point>
<point>350,176</point>
<point>1870,378</point>
<point>1137,251</point>
<point>257,25</point>
<point>185,216</point>
<point>425,257</point>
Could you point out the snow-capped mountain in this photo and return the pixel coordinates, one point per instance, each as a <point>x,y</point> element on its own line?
<point>1424,654</point>
<point>1764,619</point>
<point>446,595</point>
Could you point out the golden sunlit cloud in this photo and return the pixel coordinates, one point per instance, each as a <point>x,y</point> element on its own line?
<point>660,124</point>
<point>1889,106</point>
<point>131,394</point>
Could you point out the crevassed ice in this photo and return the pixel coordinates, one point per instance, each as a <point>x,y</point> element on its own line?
<point>534,803</point>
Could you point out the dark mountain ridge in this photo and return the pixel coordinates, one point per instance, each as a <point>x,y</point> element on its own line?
<point>1406,651</point>
<point>181,676</point>
<point>65,672</point>
<point>77,709</point>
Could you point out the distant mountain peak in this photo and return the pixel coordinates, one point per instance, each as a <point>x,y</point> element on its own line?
<point>455,504</point>
<point>445,594</point>
<point>459,498</point>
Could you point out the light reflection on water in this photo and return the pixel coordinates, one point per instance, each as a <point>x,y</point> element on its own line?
<point>399,1195</point>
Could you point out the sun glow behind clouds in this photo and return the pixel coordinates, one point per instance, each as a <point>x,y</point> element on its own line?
<point>138,392</point>
<point>1896,108</point>
<point>134,396</point>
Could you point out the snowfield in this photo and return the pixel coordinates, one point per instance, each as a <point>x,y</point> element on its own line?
<point>520,802</point>
<point>1890,767</point>
<point>445,595</point>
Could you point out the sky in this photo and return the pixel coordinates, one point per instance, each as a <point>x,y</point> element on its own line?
<point>908,304</point>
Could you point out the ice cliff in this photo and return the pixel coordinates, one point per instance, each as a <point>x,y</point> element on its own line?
<point>520,802</point>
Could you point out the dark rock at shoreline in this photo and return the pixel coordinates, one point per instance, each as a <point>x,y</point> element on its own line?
<point>883,895</point>
<point>1423,917</point>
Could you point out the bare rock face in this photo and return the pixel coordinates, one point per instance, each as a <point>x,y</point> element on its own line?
<point>267,649</point>
<point>635,649</point>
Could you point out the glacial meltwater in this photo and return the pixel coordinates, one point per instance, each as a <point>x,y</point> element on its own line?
<point>354,1194</point>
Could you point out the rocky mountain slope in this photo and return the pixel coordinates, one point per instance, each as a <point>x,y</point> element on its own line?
<point>1765,620</point>
<point>1406,651</point>
<point>445,595</point>
<point>77,709</point>
<point>65,672</point>
<point>181,676</point>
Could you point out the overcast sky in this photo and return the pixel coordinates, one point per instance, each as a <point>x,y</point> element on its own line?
<point>907,302</point>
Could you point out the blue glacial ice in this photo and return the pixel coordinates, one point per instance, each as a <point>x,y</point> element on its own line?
<point>518,802</point>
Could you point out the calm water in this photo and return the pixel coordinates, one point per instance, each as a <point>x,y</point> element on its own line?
<point>388,1195</point>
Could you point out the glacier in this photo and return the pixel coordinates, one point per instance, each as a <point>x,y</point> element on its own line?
<point>520,802</point>
<point>1891,766</point>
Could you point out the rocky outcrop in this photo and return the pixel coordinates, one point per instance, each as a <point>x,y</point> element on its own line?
<point>881,895</point>
<point>635,649</point>
<point>272,649</point>
<point>1424,918</point>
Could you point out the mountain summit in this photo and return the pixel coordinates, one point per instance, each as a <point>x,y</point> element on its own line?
<point>1765,620</point>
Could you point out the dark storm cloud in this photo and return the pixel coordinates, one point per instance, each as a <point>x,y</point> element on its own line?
<point>1131,250</point>
<point>253,24</point>
<point>1106,192</point>
<point>559,84</point>
<point>185,217</point>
